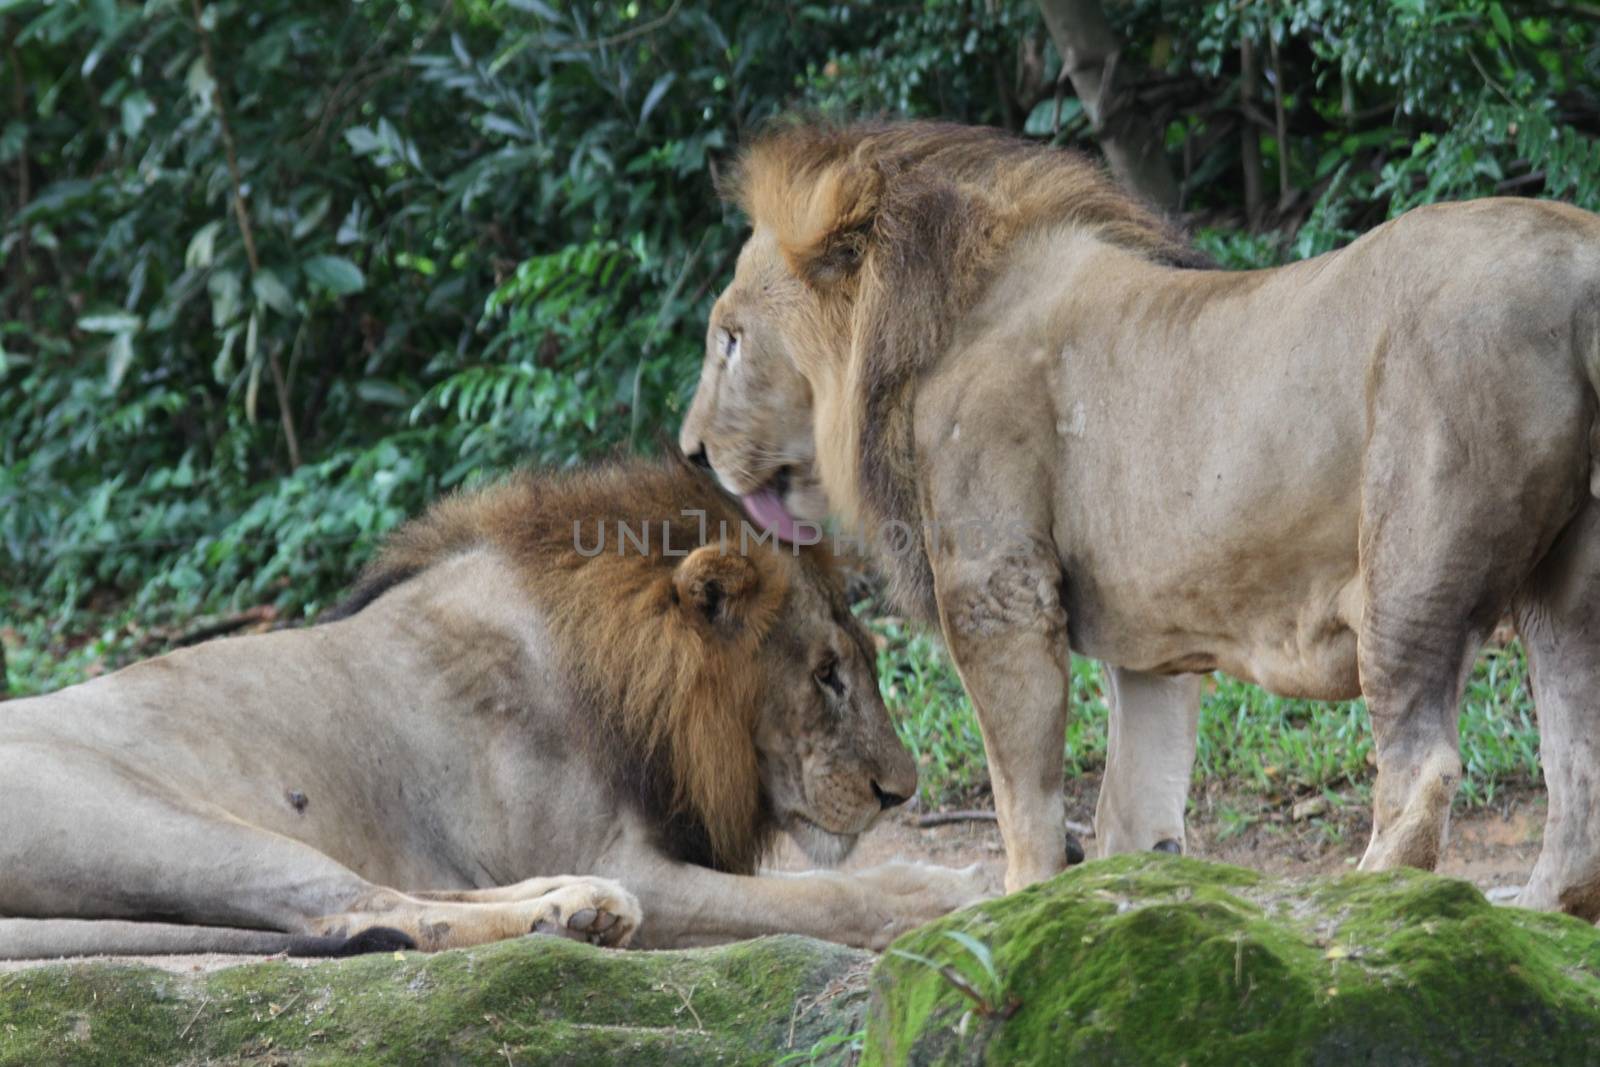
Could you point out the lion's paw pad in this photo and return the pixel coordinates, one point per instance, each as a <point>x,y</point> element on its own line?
<point>595,910</point>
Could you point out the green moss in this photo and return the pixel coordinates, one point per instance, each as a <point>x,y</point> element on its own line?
<point>536,1001</point>
<point>1146,960</point>
<point>1154,960</point>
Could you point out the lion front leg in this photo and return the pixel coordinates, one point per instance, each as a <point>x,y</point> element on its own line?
<point>689,906</point>
<point>597,910</point>
<point>1007,632</point>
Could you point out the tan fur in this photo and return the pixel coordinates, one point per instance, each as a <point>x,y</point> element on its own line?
<point>526,736</point>
<point>682,690</point>
<point>1331,478</point>
<point>897,229</point>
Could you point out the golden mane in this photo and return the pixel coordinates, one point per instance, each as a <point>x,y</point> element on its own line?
<point>898,228</point>
<point>812,180</point>
<point>679,695</point>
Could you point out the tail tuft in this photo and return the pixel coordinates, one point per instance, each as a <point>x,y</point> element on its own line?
<point>372,939</point>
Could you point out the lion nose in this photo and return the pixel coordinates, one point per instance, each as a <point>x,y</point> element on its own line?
<point>887,800</point>
<point>700,459</point>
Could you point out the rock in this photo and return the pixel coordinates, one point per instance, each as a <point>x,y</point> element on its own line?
<point>537,1000</point>
<point>1151,959</point>
<point>1309,808</point>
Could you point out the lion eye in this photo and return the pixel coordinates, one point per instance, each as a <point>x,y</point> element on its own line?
<point>728,341</point>
<point>828,678</point>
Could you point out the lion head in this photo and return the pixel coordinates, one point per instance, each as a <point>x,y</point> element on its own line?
<point>729,691</point>
<point>868,243</point>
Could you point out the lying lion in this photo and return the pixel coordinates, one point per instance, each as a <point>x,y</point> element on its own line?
<point>1331,478</point>
<point>506,730</point>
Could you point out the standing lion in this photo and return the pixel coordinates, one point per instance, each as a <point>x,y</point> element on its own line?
<point>1329,478</point>
<point>580,704</point>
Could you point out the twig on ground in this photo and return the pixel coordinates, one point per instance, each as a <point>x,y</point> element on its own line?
<point>275,1013</point>
<point>685,997</point>
<point>944,818</point>
<point>192,1019</point>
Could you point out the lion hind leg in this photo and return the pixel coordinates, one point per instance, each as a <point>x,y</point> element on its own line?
<point>1415,655</point>
<point>1461,499</point>
<point>1558,619</point>
<point>84,837</point>
<point>1149,759</point>
<point>597,910</point>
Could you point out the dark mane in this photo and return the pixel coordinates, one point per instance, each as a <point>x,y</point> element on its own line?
<point>670,715</point>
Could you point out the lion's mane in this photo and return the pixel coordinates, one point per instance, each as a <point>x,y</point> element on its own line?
<point>671,707</point>
<point>899,228</point>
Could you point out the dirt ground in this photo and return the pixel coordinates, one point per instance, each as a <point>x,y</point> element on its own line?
<point>1493,848</point>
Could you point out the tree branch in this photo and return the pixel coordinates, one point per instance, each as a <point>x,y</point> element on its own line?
<point>1249,138</point>
<point>1284,192</point>
<point>240,212</point>
<point>1132,143</point>
<point>19,94</point>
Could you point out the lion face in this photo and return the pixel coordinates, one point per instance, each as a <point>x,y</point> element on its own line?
<point>825,759</point>
<point>829,757</point>
<point>751,419</point>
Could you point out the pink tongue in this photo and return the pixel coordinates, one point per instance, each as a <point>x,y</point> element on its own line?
<point>766,508</point>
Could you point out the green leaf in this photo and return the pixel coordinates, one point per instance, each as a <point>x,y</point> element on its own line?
<point>376,391</point>
<point>312,216</point>
<point>979,950</point>
<point>225,289</point>
<point>653,97</point>
<point>271,291</point>
<point>199,84</point>
<point>1502,25</point>
<point>362,140</point>
<point>137,107</point>
<point>12,140</point>
<point>120,356</point>
<point>203,245</point>
<point>117,322</point>
<point>335,274</point>
<point>222,366</point>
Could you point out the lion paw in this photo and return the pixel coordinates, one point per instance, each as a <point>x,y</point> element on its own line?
<point>911,894</point>
<point>596,910</point>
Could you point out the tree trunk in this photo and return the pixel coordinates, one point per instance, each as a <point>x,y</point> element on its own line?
<point>1250,137</point>
<point>1131,142</point>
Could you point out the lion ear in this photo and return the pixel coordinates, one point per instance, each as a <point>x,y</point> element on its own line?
<point>715,588</point>
<point>828,238</point>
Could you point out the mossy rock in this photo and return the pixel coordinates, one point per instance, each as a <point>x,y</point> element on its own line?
<point>1156,960</point>
<point>531,1001</point>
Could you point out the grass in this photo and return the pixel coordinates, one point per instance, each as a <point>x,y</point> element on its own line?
<point>1249,739</point>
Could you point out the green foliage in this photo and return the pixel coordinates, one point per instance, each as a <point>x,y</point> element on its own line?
<point>480,232</point>
<point>1383,107</point>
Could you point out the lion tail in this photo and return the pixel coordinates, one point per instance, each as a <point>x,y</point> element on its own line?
<point>48,939</point>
